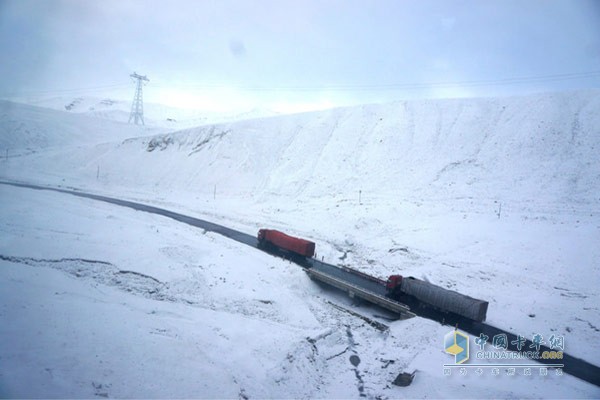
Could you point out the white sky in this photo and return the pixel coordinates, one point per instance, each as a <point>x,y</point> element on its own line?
<point>227,55</point>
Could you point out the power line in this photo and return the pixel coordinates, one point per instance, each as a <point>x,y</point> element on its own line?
<point>399,86</point>
<point>64,91</point>
<point>330,87</point>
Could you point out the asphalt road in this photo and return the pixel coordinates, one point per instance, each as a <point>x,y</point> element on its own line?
<point>572,365</point>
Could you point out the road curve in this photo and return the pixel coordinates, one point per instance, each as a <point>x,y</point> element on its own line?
<point>572,365</point>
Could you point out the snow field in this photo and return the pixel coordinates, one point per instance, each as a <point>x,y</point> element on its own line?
<point>211,323</point>
<point>495,198</point>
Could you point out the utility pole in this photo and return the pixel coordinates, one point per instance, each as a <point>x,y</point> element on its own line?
<point>137,107</point>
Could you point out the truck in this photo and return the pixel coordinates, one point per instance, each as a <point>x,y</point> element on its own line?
<point>273,239</point>
<point>402,288</point>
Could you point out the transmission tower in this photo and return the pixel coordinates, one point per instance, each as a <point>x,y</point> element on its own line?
<point>137,107</point>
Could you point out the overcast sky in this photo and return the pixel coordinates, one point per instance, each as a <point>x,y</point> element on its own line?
<point>294,55</point>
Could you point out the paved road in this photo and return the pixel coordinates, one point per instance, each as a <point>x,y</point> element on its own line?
<point>200,223</point>
<point>572,365</point>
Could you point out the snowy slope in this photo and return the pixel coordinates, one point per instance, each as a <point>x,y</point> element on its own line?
<point>517,149</point>
<point>155,115</point>
<point>30,127</point>
<point>496,198</point>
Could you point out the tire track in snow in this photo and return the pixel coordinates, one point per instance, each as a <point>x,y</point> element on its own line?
<point>355,361</point>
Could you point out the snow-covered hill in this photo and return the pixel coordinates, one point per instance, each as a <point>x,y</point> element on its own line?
<point>538,148</point>
<point>496,198</point>
<point>155,115</point>
<point>25,127</point>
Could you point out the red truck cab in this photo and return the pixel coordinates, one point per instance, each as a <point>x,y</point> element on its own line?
<point>393,283</point>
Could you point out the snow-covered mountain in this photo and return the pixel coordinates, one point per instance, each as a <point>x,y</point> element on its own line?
<point>522,149</point>
<point>495,198</point>
<point>155,115</point>
<point>24,127</point>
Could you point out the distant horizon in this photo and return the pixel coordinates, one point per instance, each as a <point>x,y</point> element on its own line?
<point>35,100</point>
